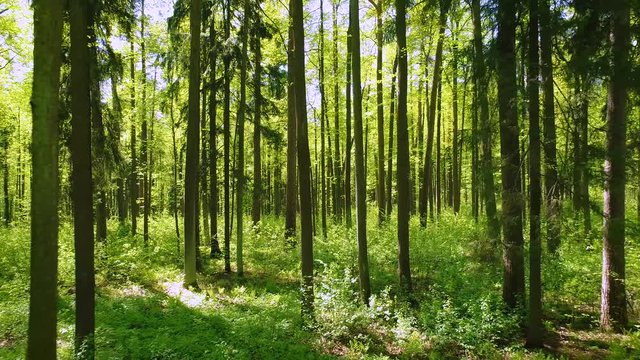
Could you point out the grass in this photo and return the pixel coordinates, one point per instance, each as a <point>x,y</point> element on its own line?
<point>455,311</point>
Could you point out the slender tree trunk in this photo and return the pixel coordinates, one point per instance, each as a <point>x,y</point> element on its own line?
<point>380,101</point>
<point>133,187</point>
<point>389,198</point>
<point>336,127</point>
<point>347,162</point>
<point>292,194</point>
<point>304,161</point>
<point>43,286</point>
<point>614,301</point>
<point>585,201</point>
<point>475,192</point>
<point>455,177</point>
<point>240,134</point>
<point>361,200</point>
<point>481,81</point>
<point>536,328</point>
<point>193,142</point>
<point>227,140</point>
<point>403,166</point>
<point>81,179</point>
<point>120,192</point>
<point>323,168</point>
<point>176,190</point>
<point>5,176</point>
<point>551,184</point>
<point>427,177</point>
<point>144,132</point>
<point>257,161</point>
<point>438,153</point>
<point>513,257</point>
<point>213,162</point>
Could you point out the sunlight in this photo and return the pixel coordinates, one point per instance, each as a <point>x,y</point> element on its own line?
<point>189,298</point>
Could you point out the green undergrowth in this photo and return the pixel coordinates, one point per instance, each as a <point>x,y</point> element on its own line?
<point>454,311</point>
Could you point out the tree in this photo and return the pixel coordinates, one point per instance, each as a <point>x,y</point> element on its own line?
<point>226,122</point>
<point>389,153</point>
<point>144,132</point>
<point>481,81</point>
<point>348,141</point>
<point>304,160</point>
<point>193,142</point>
<point>337,207</point>
<point>133,186</point>
<point>323,115</point>
<point>380,107</point>
<point>513,257</point>
<point>551,193</point>
<point>613,306</point>
<point>81,179</point>
<point>213,163</point>
<point>240,133</point>
<point>257,160</point>
<point>361,200</point>
<point>292,197</point>
<point>536,328</point>
<point>403,166</point>
<point>43,287</point>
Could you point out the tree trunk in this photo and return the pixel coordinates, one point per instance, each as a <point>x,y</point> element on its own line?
<point>240,178</point>
<point>481,81</point>
<point>257,162</point>
<point>347,162</point>
<point>144,151</point>
<point>304,161</point>
<point>337,209</point>
<point>536,328</point>
<point>323,168</point>
<point>81,178</point>
<point>193,142</point>
<point>227,140</point>
<point>403,166</point>
<point>614,302</point>
<point>455,177</point>
<point>551,191</point>
<point>389,198</point>
<point>380,99</point>
<point>292,194</point>
<point>361,191</point>
<point>133,187</point>
<point>213,162</point>
<point>43,287</point>
<point>513,257</point>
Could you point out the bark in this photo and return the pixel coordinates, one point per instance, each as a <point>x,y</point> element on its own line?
<point>455,177</point>
<point>337,208</point>
<point>81,179</point>
<point>133,186</point>
<point>257,156</point>
<point>361,200</point>
<point>240,177</point>
<point>304,161</point>
<point>226,118</point>
<point>403,166</point>
<point>193,142</point>
<point>323,156</point>
<point>551,184</point>
<point>389,198</point>
<point>213,162</point>
<point>481,81</point>
<point>536,328</point>
<point>292,194</point>
<point>144,134</point>
<point>347,162</point>
<point>513,257</point>
<point>43,287</point>
<point>613,298</point>
<point>380,98</point>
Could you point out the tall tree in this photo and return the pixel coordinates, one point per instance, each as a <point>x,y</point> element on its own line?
<point>348,141</point>
<point>513,256</point>
<point>403,166</point>
<point>304,160</point>
<point>133,186</point>
<point>536,328</point>
<point>226,120</point>
<point>81,179</point>
<point>614,301</point>
<point>323,115</point>
<point>292,193</point>
<point>380,107</point>
<point>257,156</point>
<point>213,162</point>
<point>193,143</point>
<point>481,81</point>
<point>337,207</point>
<point>240,134</point>
<point>43,287</point>
<point>437,72</point>
<point>551,193</point>
<point>144,132</point>
<point>390,148</point>
<point>361,200</point>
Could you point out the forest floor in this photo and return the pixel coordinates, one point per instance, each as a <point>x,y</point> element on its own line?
<point>143,311</point>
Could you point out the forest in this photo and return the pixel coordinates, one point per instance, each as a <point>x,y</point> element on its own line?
<point>261,179</point>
